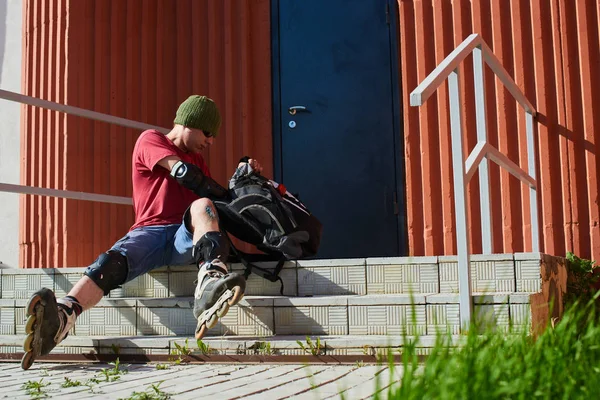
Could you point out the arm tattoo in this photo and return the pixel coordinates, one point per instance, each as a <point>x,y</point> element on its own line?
<point>211,212</point>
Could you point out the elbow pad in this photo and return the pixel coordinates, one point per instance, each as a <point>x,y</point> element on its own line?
<point>191,177</point>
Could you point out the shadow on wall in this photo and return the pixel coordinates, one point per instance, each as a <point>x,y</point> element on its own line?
<point>4,266</point>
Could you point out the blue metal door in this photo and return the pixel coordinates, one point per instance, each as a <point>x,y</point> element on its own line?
<point>336,98</point>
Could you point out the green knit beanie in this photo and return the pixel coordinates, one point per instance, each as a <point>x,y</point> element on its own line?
<point>199,112</point>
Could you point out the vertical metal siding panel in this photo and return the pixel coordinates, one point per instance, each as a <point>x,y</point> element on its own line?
<point>561,131</point>
<point>85,158</point>
<point>30,174</point>
<point>98,138</point>
<point>166,62</point>
<point>71,144</point>
<point>246,115</point>
<point>230,95</point>
<point>429,165</point>
<point>54,135</point>
<point>30,154</point>
<point>25,215</point>
<point>199,49</point>
<point>258,127</point>
<point>148,72</point>
<point>216,65</point>
<point>483,24</point>
<point>564,120</point>
<point>133,88</point>
<point>61,128</point>
<point>51,135</point>
<point>502,45</point>
<point>23,136</point>
<point>117,139</point>
<point>43,155</point>
<point>36,139</point>
<point>574,128</point>
<point>74,134</point>
<point>45,160</point>
<point>185,48</point>
<point>462,29</point>
<point>443,46</point>
<point>550,194</point>
<point>412,129</point>
<point>589,56</point>
<point>525,79</point>
<point>232,113</point>
<point>39,127</point>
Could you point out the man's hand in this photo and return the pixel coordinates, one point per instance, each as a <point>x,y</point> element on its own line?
<point>254,164</point>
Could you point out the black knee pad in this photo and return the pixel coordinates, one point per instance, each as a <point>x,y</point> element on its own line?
<point>210,246</point>
<point>108,271</point>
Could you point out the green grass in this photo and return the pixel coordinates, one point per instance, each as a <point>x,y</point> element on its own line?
<point>152,393</point>
<point>561,363</point>
<point>36,389</point>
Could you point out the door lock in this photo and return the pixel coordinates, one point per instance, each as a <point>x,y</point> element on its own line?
<point>294,109</point>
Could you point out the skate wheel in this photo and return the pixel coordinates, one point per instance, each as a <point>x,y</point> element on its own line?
<point>34,301</point>
<point>27,344</point>
<point>223,310</point>
<point>30,325</point>
<point>201,332</point>
<point>27,360</point>
<point>212,321</point>
<point>237,296</point>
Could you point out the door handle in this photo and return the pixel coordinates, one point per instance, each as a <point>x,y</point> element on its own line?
<point>294,109</point>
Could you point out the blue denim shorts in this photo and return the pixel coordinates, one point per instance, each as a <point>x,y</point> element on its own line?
<point>150,247</point>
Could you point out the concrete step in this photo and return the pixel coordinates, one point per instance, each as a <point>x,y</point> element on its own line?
<point>286,345</point>
<point>519,272</point>
<point>263,316</point>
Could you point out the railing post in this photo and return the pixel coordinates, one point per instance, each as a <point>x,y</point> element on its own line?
<point>533,206</point>
<point>484,175</point>
<point>460,198</point>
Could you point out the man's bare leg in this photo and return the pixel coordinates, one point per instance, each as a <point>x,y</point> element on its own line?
<point>87,293</point>
<point>204,218</point>
<point>217,289</point>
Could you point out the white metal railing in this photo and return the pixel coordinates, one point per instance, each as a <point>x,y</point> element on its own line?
<point>463,171</point>
<point>67,194</point>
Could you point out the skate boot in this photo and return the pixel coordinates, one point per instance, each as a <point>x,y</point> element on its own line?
<point>48,323</point>
<point>216,291</point>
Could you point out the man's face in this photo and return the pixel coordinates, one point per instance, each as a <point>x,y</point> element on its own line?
<point>197,140</point>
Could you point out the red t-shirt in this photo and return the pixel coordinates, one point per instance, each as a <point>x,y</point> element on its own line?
<point>157,197</point>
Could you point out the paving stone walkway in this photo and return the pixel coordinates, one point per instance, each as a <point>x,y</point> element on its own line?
<point>222,381</point>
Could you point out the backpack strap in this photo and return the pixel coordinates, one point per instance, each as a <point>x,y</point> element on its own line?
<point>249,259</point>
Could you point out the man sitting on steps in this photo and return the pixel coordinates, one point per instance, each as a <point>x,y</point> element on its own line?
<point>176,223</point>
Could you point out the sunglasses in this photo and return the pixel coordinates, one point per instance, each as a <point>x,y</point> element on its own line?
<point>208,134</point>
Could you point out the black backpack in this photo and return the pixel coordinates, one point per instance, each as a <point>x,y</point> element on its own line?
<point>264,213</point>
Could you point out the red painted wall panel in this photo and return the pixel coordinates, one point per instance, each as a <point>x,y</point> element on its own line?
<point>551,50</point>
<point>136,59</point>
<point>139,59</point>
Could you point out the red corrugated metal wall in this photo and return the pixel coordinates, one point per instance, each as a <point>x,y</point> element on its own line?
<point>551,48</point>
<point>43,133</point>
<point>136,59</point>
<point>139,58</point>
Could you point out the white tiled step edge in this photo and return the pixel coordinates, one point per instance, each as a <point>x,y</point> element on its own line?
<point>519,272</point>
<point>278,345</point>
<point>421,314</point>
